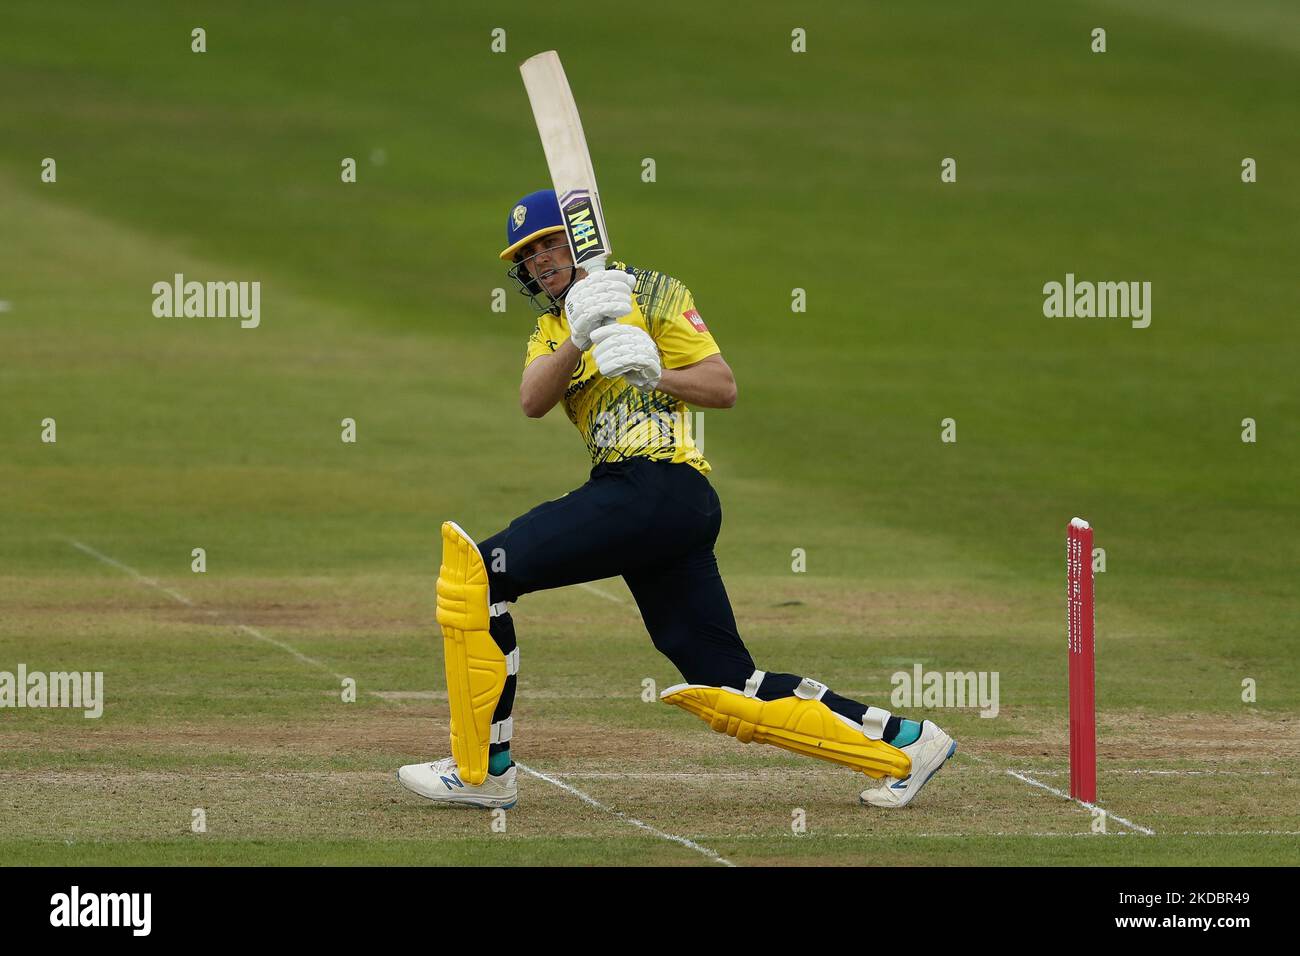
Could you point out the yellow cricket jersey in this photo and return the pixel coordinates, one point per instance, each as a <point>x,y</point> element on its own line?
<point>616,420</point>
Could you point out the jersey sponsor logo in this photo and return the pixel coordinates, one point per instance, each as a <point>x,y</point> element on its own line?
<point>693,317</point>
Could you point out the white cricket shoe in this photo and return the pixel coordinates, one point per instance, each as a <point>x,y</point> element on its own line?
<point>440,782</point>
<point>928,753</point>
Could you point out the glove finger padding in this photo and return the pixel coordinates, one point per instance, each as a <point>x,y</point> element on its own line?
<point>625,350</point>
<point>596,299</point>
<point>610,297</point>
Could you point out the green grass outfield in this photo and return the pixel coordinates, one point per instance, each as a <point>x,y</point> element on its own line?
<point>775,171</point>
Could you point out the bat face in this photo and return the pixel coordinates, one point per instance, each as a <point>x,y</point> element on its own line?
<point>565,145</point>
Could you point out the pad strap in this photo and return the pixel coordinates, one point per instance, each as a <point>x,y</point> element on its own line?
<point>810,689</point>
<point>873,722</point>
<point>503,730</point>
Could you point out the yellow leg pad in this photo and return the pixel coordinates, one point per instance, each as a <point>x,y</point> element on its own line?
<point>476,668</point>
<point>806,727</point>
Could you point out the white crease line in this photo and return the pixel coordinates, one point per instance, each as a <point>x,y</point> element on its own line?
<point>174,595</point>
<point>763,772</point>
<point>182,599</point>
<point>691,844</point>
<point>1087,806</point>
<point>1083,803</point>
<point>1170,773</point>
<point>254,632</point>
<point>607,596</point>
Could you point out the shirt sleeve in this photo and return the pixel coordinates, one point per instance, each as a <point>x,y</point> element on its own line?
<point>680,333</point>
<point>538,345</point>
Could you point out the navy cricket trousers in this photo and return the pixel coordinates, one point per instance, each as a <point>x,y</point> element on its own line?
<point>654,523</point>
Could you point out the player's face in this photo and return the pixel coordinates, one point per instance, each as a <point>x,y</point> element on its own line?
<point>549,261</point>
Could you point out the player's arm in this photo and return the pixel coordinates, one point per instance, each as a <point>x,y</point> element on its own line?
<point>709,383</point>
<point>546,378</point>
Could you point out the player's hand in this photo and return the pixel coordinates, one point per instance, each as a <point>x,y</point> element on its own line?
<point>601,297</point>
<point>627,351</point>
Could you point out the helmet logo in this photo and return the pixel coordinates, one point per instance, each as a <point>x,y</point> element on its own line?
<point>518,215</point>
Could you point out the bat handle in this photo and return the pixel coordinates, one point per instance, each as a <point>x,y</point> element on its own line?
<point>594,264</point>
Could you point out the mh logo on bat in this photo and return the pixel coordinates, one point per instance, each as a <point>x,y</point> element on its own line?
<point>583,230</point>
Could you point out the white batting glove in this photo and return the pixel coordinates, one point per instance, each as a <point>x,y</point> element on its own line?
<point>627,351</point>
<point>595,300</point>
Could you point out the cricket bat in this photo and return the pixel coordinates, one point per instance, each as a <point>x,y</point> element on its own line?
<point>565,145</point>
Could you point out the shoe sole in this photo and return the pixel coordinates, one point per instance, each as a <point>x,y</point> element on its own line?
<point>467,803</point>
<point>939,766</point>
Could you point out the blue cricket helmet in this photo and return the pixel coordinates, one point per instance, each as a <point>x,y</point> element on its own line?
<point>536,215</point>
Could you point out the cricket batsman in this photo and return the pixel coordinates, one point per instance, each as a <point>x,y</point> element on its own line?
<point>626,351</point>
